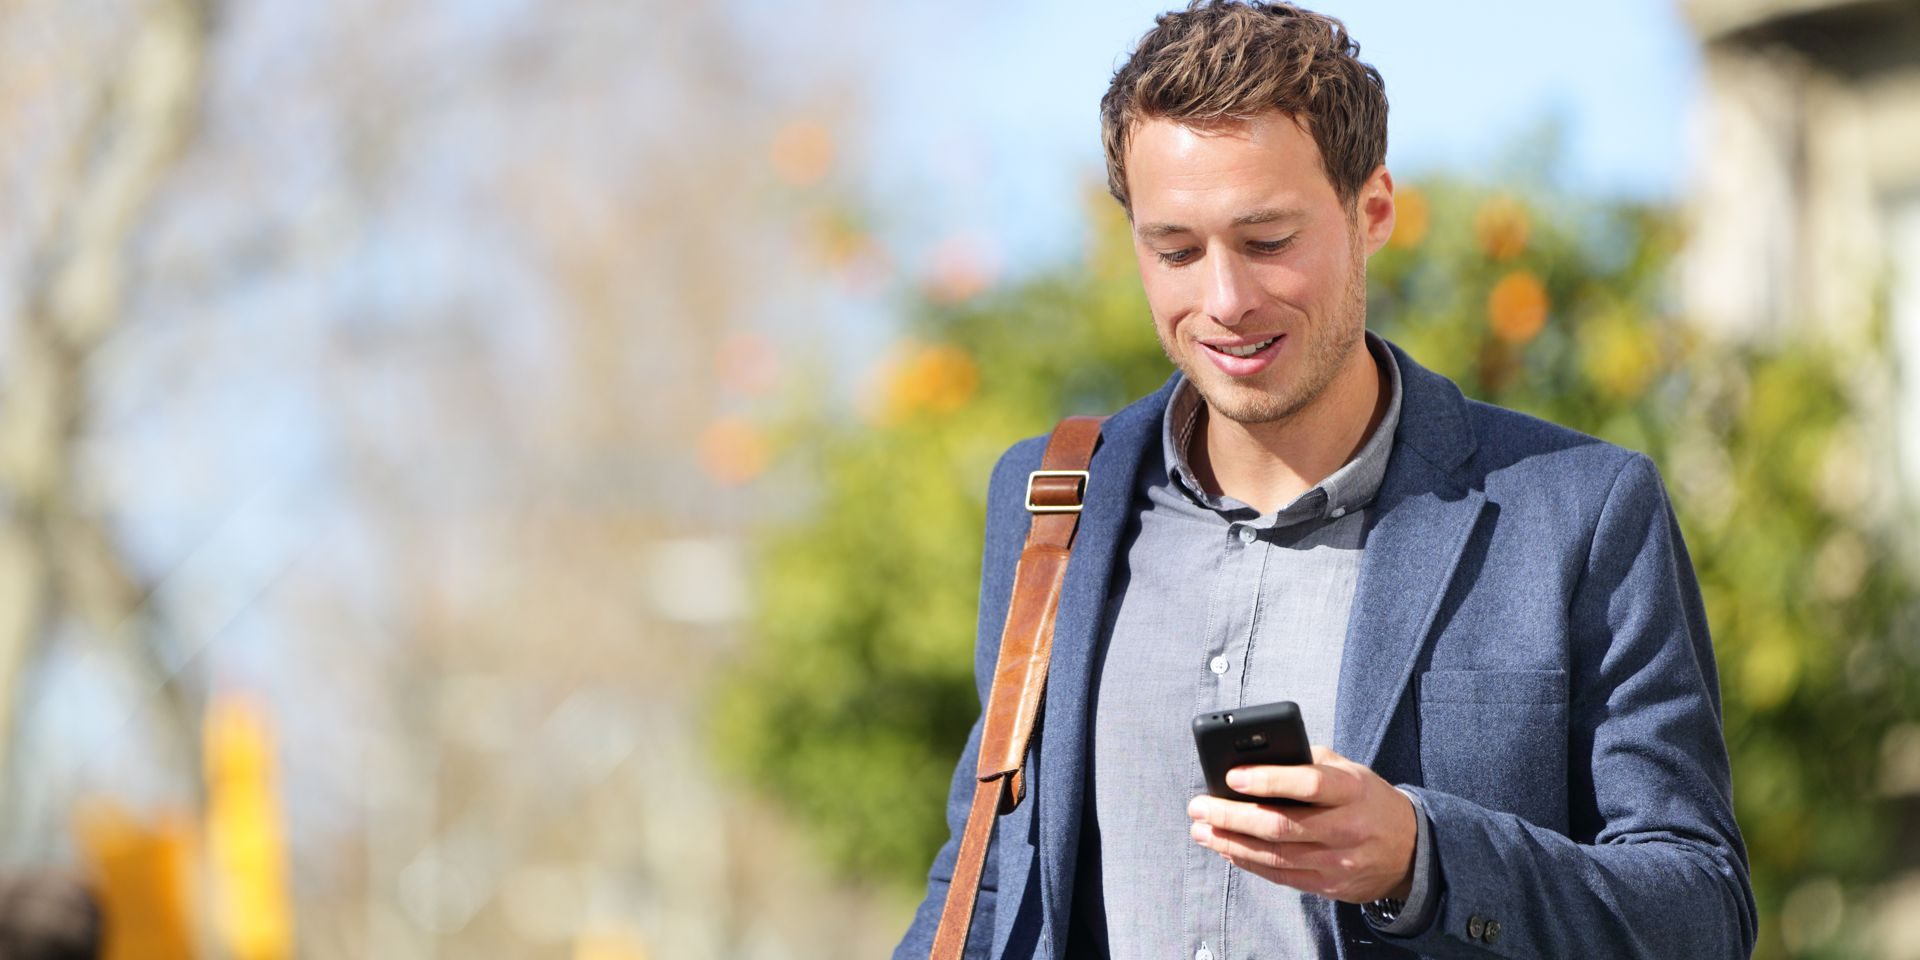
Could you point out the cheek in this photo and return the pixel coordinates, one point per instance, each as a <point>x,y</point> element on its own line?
<point>1303,285</point>
<point>1297,281</point>
<point>1167,296</point>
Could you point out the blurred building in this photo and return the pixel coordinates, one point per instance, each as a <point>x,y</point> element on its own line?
<point>1806,195</point>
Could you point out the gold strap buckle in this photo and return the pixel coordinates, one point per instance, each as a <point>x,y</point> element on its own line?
<point>1080,493</point>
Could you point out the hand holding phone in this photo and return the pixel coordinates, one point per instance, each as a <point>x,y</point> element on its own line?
<point>1355,843</point>
<point>1271,733</point>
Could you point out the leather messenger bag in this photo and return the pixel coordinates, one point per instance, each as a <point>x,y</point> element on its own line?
<point>1054,496</point>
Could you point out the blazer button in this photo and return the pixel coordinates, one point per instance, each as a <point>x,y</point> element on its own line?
<point>1476,927</point>
<point>1493,931</point>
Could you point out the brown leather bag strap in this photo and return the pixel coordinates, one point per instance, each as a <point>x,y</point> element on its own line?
<point>1054,496</point>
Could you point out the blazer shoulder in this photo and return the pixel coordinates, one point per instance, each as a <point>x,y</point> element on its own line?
<point>1516,445</point>
<point>1007,517</point>
<point>1018,460</point>
<point>1007,487</point>
<point>1127,429</point>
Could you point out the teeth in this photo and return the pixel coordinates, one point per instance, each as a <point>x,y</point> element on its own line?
<point>1248,350</point>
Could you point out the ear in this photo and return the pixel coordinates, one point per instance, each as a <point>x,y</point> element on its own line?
<point>1374,205</point>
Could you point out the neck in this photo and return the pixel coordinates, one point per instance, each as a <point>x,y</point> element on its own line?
<point>1269,465</point>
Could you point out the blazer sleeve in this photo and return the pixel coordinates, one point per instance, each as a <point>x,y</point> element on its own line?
<point>918,942</point>
<point>1654,866</point>
<point>1006,532</point>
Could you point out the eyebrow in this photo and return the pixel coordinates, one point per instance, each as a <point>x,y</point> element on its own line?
<point>1155,231</point>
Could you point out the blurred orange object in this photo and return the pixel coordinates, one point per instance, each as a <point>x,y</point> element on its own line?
<point>962,267</point>
<point>1412,216</point>
<point>246,845</point>
<point>936,379</point>
<point>142,875</point>
<point>802,153</point>
<point>733,451</point>
<point>609,944</point>
<point>747,364</point>
<point>1517,307</point>
<point>1502,227</point>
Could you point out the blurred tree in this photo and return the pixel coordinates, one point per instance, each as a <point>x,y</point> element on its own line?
<point>365,346</point>
<point>858,692</point>
<point>61,571</point>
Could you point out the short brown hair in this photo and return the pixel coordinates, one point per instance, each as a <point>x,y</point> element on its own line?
<point>1219,60</point>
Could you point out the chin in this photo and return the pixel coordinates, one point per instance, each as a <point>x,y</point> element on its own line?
<point>1245,404</point>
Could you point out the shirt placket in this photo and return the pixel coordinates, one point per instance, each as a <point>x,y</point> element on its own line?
<point>1232,622</point>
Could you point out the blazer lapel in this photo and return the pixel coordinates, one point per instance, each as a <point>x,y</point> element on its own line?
<point>1423,516</point>
<point>1064,724</point>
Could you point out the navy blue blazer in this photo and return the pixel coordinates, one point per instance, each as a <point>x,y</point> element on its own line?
<point>1527,651</point>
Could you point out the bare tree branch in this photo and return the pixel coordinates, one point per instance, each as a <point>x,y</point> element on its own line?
<point>61,564</point>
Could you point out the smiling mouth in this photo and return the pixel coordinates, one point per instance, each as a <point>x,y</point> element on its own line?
<point>1245,351</point>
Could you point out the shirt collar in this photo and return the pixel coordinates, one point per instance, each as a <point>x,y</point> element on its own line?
<point>1349,488</point>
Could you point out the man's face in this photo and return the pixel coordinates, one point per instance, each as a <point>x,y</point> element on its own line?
<point>1253,268</point>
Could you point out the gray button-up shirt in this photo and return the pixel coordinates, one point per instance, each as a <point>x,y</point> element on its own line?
<point>1215,607</point>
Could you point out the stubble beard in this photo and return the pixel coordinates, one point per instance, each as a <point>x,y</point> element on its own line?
<point>1329,345</point>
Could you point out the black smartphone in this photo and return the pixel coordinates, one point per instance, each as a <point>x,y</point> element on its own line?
<point>1271,733</point>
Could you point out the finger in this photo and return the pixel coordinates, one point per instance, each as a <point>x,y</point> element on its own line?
<point>1312,783</point>
<point>1249,851</point>
<point>1303,880</point>
<point>1245,850</point>
<point>1252,819</point>
<point>1310,867</point>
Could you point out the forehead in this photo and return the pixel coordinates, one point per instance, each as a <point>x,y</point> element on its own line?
<point>1266,160</point>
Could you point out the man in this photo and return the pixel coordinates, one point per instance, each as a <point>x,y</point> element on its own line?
<point>1490,623</point>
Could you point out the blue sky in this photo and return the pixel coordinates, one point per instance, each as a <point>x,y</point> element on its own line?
<point>984,114</point>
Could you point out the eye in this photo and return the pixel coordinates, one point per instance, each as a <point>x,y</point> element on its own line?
<point>1271,246</point>
<point>1175,258</point>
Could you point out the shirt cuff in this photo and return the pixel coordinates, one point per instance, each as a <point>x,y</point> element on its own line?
<point>1417,915</point>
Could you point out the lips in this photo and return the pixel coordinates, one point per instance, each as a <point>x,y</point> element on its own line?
<point>1243,350</point>
<point>1243,357</point>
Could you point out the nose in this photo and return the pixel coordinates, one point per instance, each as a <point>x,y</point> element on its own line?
<point>1231,293</point>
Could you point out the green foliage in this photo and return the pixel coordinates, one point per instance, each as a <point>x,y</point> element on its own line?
<point>858,691</point>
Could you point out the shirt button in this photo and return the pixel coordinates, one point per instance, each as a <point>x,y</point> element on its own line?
<point>1217,664</point>
<point>1339,512</point>
<point>1203,953</point>
<point>1248,535</point>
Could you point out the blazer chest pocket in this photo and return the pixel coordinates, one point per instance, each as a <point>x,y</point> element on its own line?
<point>1498,738</point>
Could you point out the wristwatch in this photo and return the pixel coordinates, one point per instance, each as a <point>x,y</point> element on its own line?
<point>1383,911</point>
